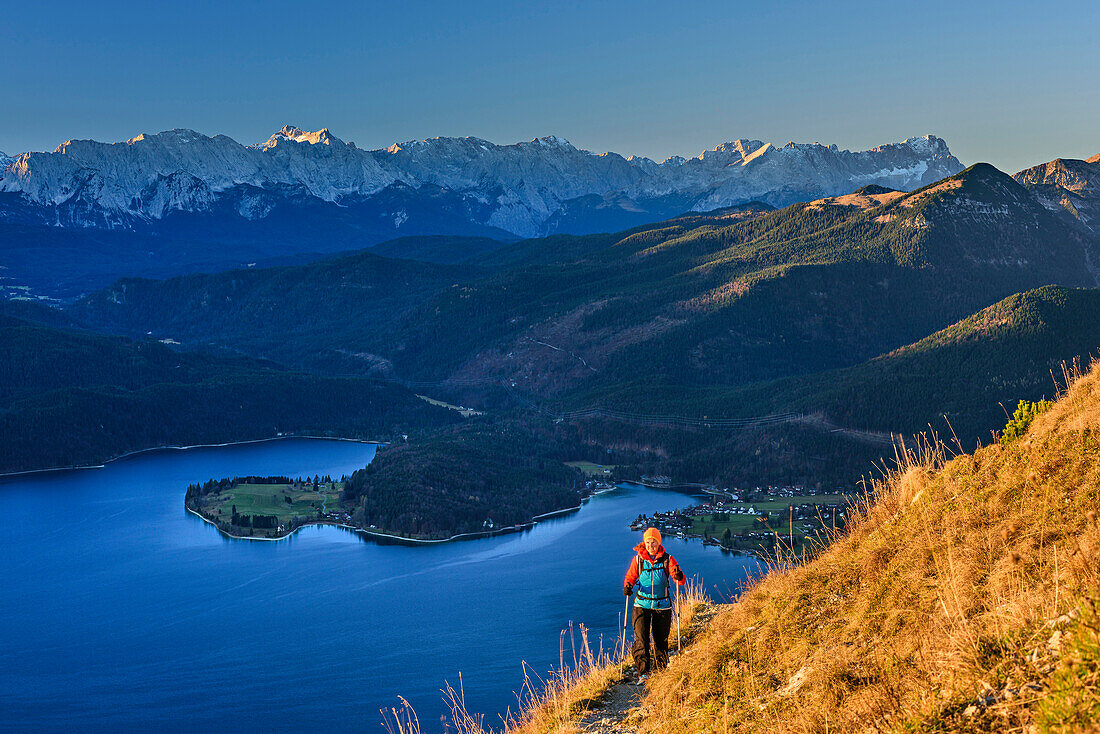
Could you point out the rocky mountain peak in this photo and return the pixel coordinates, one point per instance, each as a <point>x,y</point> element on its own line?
<point>980,194</point>
<point>925,141</point>
<point>986,182</point>
<point>736,150</point>
<point>1069,173</point>
<point>180,135</point>
<point>295,134</point>
<point>981,172</point>
<point>1068,187</point>
<point>553,141</point>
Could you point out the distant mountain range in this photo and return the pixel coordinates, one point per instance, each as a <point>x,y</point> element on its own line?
<point>818,309</point>
<point>169,183</point>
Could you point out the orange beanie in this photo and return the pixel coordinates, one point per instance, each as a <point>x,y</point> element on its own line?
<point>651,533</point>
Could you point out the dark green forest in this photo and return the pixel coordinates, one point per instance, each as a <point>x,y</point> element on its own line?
<point>956,379</point>
<point>71,399</point>
<point>484,475</point>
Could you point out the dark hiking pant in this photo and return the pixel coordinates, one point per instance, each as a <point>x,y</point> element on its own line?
<point>648,658</point>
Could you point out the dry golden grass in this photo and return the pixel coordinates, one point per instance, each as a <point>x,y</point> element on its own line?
<point>859,201</point>
<point>946,185</point>
<point>554,705</point>
<point>960,599</point>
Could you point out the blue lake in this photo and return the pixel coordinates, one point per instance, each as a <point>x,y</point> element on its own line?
<point>120,611</point>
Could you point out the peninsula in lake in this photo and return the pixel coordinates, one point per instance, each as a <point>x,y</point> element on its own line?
<point>450,485</point>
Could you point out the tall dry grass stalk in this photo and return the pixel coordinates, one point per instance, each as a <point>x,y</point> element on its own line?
<point>462,720</point>
<point>934,610</point>
<point>690,599</point>
<point>401,720</point>
<point>554,704</point>
<point>546,704</point>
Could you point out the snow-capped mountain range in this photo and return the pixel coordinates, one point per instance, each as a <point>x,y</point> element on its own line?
<point>181,178</point>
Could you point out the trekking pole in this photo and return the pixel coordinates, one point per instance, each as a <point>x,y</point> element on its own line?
<point>676,607</point>
<point>622,640</point>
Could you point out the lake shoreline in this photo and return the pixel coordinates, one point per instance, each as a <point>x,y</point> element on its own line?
<point>28,473</point>
<point>410,542</point>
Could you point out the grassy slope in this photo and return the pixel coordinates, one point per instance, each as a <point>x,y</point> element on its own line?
<point>941,609</point>
<point>961,599</point>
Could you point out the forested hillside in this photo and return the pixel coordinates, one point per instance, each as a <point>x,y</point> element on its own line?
<point>1009,351</point>
<point>728,300</point>
<point>332,314</point>
<point>736,313</point>
<point>69,398</point>
<point>459,481</point>
<point>811,287</point>
<point>324,314</point>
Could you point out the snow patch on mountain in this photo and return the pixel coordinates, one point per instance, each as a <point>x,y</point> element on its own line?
<point>907,175</point>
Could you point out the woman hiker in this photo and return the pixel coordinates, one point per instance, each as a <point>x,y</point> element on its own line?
<point>651,570</point>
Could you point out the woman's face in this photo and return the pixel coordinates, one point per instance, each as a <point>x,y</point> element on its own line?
<point>651,545</point>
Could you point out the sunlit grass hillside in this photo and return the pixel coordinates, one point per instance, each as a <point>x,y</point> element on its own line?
<point>962,598</point>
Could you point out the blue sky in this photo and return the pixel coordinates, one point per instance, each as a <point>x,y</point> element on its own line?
<point>1009,83</point>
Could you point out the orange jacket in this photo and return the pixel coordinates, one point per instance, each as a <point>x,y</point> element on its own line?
<point>674,571</point>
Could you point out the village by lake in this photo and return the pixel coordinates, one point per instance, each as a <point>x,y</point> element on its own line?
<point>759,520</point>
